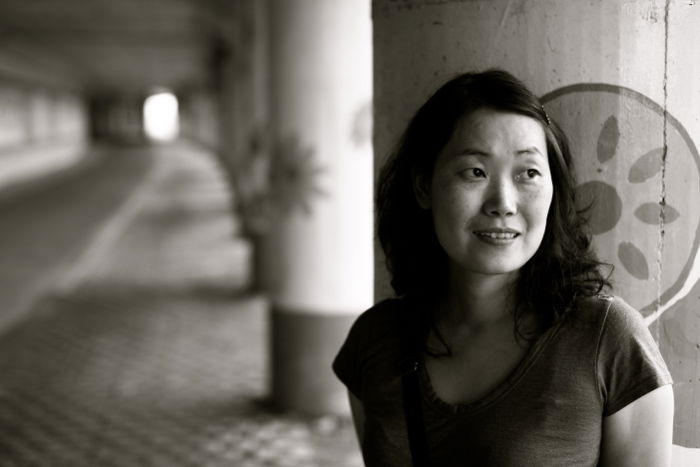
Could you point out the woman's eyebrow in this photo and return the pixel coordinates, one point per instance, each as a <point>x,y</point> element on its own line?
<point>472,152</point>
<point>529,150</point>
<point>481,152</point>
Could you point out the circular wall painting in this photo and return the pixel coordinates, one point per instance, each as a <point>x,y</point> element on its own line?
<point>639,170</point>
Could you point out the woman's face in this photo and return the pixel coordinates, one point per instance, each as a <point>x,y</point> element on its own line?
<point>490,192</point>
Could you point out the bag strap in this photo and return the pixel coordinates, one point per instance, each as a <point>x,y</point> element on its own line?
<point>410,385</point>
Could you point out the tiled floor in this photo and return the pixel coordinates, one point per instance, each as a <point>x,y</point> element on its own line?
<point>152,354</point>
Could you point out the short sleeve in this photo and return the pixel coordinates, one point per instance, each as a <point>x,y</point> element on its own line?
<point>369,347</point>
<point>347,362</point>
<point>629,363</point>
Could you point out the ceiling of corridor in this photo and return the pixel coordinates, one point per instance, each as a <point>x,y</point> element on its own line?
<point>115,44</point>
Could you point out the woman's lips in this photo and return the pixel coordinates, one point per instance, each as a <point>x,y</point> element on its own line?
<point>497,236</point>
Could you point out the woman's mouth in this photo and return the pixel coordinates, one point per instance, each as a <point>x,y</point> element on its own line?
<point>498,236</point>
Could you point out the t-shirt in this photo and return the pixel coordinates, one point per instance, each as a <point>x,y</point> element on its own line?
<point>589,364</point>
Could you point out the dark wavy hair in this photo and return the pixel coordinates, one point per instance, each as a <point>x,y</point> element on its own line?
<point>562,269</point>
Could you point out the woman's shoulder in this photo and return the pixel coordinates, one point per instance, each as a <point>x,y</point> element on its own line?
<point>383,315</point>
<point>621,317</point>
<point>371,343</point>
<point>609,309</point>
<point>601,305</point>
<point>595,313</point>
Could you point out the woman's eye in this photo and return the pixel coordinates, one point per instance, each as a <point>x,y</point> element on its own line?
<point>531,173</point>
<point>473,172</point>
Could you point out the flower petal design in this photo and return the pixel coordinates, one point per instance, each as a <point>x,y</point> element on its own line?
<point>633,260</point>
<point>608,139</point>
<point>294,176</point>
<point>650,213</point>
<point>604,203</point>
<point>646,166</point>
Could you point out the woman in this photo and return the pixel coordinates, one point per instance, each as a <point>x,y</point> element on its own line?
<point>500,349</point>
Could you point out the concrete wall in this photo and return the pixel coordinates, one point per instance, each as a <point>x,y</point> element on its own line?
<point>622,79</point>
<point>40,102</point>
<point>42,129</point>
<point>43,117</point>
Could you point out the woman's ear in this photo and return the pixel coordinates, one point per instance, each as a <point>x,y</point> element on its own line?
<point>421,190</point>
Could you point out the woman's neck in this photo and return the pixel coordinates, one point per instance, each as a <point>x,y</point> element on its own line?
<point>477,300</point>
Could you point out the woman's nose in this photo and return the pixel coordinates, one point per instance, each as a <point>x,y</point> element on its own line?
<point>501,199</point>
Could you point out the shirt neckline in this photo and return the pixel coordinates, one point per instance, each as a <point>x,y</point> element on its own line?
<point>496,394</point>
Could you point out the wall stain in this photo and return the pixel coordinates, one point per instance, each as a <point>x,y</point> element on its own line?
<point>674,336</point>
<point>361,127</point>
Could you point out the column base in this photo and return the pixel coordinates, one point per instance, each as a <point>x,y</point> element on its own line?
<point>303,346</point>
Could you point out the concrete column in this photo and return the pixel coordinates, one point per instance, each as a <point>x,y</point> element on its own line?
<point>69,122</point>
<point>622,79</point>
<point>239,60</point>
<point>13,119</point>
<point>40,116</point>
<point>319,248</point>
<point>117,118</point>
<point>199,118</point>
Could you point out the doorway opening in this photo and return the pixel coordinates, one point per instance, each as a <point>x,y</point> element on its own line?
<point>161,117</point>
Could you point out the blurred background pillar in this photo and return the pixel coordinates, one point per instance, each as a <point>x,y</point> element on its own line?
<point>117,118</point>
<point>318,250</point>
<point>622,80</point>
<point>240,91</point>
<point>199,117</point>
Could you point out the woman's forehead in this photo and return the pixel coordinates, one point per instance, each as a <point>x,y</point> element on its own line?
<point>485,130</point>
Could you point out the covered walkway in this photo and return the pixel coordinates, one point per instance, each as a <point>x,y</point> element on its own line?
<point>138,343</point>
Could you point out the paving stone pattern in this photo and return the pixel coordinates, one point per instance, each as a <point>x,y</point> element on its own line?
<point>158,357</point>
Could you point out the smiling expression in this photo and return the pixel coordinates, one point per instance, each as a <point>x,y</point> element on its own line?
<point>490,192</point>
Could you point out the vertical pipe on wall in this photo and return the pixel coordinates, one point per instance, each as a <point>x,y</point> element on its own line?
<point>318,257</point>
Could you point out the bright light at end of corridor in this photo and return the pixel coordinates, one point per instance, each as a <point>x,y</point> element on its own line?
<point>160,116</point>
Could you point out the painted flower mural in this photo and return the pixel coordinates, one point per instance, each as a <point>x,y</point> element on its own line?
<point>633,162</point>
<point>294,177</point>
